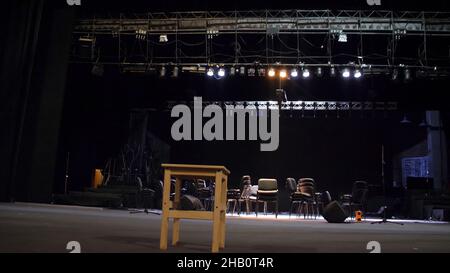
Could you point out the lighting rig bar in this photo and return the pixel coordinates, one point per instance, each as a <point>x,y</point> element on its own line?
<point>375,41</point>
<point>299,105</point>
<point>285,21</point>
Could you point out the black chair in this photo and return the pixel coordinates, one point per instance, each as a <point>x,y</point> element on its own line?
<point>144,196</point>
<point>172,189</point>
<point>200,184</point>
<point>233,196</point>
<point>295,197</point>
<point>204,193</point>
<point>357,199</point>
<point>309,204</point>
<point>158,187</point>
<point>246,186</point>
<point>267,192</point>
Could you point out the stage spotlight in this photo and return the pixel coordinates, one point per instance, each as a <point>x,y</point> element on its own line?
<point>162,72</point>
<point>294,73</point>
<point>395,74</point>
<point>261,72</point>
<point>271,72</point>
<point>306,73</point>
<point>163,38</point>
<point>175,72</point>
<point>421,73</point>
<point>342,38</point>
<point>357,74</point>
<point>407,74</point>
<point>141,34</point>
<point>221,72</point>
<point>210,72</point>
<point>346,73</point>
<point>319,72</point>
<point>251,72</point>
<point>233,71</point>
<point>242,71</point>
<point>283,74</point>
<point>332,72</point>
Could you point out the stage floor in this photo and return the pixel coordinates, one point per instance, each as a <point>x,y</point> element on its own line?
<point>28,227</point>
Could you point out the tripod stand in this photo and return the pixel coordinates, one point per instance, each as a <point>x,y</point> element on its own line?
<point>384,220</point>
<point>145,210</point>
<point>143,191</point>
<point>66,176</point>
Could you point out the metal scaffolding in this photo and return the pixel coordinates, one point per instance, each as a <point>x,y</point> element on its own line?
<point>297,105</point>
<point>268,37</point>
<point>284,21</point>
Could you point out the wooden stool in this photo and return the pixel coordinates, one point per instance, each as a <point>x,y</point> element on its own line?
<point>180,171</point>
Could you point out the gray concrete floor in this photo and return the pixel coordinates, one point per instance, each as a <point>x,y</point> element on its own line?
<point>48,228</point>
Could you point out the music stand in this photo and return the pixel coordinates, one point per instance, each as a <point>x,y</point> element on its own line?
<point>384,220</point>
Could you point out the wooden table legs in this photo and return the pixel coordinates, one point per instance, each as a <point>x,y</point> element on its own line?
<point>220,174</point>
<point>165,211</point>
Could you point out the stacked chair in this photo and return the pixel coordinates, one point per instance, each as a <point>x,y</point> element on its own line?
<point>303,194</point>
<point>309,206</point>
<point>295,196</point>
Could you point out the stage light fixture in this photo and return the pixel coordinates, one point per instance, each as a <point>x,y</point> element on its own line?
<point>86,47</point>
<point>332,72</point>
<point>342,38</point>
<point>283,73</point>
<point>319,72</point>
<point>421,73</point>
<point>233,71</point>
<point>357,74</point>
<point>175,72</point>
<point>251,72</point>
<point>394,74</point>
<point>87,39</point>
<point>162,72</point>
<point>306,73</point>
<point>141,34</point>
<point>242,71</point>
<point>210,72</point>
<point>294,73</point>
<point>261,72</point>
<point>221,72</point>
<point>346,73</point>
<point>407,74</point>
<point>271,72</point>
<point>163,38</point>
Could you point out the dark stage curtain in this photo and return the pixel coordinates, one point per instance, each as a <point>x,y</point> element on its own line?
<point>32,80</point>
<point>22,31</point>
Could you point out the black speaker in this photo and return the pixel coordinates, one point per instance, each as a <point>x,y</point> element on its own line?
<point>189,202</point>
<point>334,213</point>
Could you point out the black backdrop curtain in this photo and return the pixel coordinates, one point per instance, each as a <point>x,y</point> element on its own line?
<point>33,64</point>
<point>23,20</point>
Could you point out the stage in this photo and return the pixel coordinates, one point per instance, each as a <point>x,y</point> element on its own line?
<point>29,227</point>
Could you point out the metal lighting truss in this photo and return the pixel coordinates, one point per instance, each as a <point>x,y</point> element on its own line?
<point>221,38</point>
<point>299,105</point>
